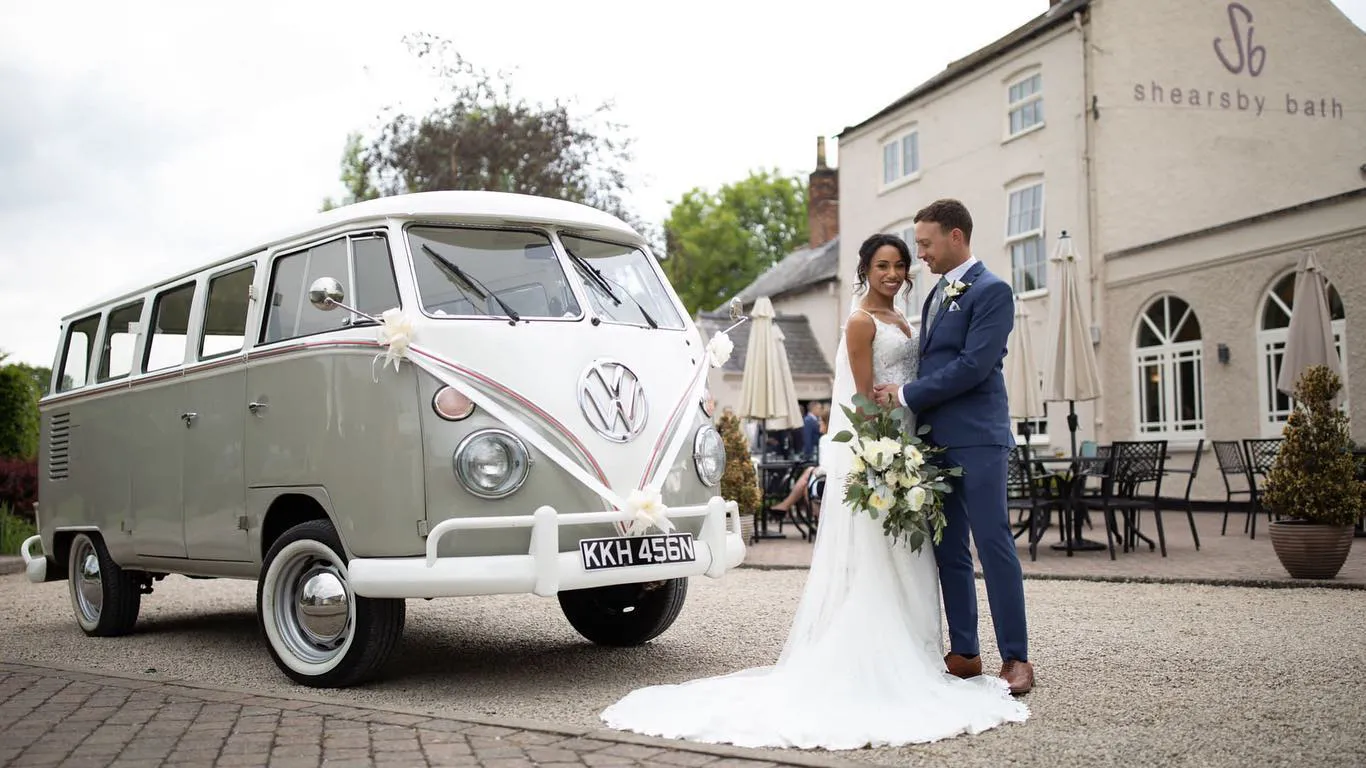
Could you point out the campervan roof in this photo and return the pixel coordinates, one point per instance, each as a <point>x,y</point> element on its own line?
<point>497,208</point>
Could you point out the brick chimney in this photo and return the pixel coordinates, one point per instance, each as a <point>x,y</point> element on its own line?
<point>823,200</point>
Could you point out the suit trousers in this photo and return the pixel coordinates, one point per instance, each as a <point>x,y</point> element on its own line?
<point>977,505</point>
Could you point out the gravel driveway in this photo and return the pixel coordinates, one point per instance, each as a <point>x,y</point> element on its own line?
<point>1129,674</point>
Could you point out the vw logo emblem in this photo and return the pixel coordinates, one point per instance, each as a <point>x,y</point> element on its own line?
<point>612,400</point>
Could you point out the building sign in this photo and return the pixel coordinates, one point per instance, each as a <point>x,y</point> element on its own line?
<point>1238,53</point>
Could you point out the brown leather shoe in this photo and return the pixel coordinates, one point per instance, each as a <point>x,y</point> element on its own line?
<point>1019,675</point>
<point>962,666</point>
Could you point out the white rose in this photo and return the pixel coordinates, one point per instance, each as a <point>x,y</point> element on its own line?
<point>913,456</point>
<point>882,498</point>
<point>881,453</point>
<point>915,498</point>
<point>911,479</point>
<point>858,466</point>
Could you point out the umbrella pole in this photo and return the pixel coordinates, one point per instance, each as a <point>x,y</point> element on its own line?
<point>1072,423</point>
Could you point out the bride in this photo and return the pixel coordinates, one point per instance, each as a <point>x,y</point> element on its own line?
<point>863,664</point>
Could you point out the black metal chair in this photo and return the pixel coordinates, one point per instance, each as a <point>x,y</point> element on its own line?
<point>1025,492</point>
<point>1138,462</point>
<point>1102,497</point>
<point>1190,485</point>
<point>1261,455</point>
<point>1232,464</point>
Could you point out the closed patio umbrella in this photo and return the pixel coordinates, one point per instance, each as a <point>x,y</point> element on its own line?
<point>766,388</point>
<point>1309,340</point>
<point>1022,374</point>
<point>1072,373</point>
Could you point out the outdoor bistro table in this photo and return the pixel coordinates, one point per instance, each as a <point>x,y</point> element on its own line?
<point>773,469</point>
<point>1068,480</point>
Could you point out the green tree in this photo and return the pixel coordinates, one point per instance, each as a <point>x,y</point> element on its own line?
<point>355,174</point>
<point>18,413</point>
<point>719,242</point>
<point>483,137</point>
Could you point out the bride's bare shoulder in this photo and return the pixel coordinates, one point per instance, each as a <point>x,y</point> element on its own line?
<point>859,330</point>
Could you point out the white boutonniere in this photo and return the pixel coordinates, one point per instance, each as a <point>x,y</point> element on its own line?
<point>719,349</point>
<point>956,288</point>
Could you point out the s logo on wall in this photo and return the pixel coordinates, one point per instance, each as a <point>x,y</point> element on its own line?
<point>1250,56</point>
<point>1239,54</point>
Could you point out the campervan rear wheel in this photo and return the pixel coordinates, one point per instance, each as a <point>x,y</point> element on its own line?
<point>318,631</point>
<point>624,614</point>
<point>106,597</point>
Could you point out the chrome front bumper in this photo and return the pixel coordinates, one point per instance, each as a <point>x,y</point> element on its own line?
<point>35,566</point>
<point>544,570</point>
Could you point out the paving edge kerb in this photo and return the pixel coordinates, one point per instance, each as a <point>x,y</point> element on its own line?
<point>772,756</point>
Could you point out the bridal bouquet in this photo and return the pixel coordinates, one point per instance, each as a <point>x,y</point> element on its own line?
<point>895,474</point>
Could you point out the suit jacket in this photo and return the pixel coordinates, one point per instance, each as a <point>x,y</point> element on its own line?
<point>961,388</point>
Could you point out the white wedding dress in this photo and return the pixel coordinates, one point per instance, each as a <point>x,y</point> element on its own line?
<point>863,664</point>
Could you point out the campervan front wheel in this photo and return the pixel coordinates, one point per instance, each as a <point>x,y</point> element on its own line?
<point>624,614</point>
<point>106,597</point>
<point>318,631</point>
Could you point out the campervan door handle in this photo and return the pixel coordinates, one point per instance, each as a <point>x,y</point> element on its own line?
<point>256,407</point>
<point>189,417</point>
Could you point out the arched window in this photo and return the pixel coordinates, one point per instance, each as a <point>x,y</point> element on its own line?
<point>1271,334</point>
<point>1169,370</point>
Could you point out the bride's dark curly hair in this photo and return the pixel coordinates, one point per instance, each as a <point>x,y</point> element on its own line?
<point>870,247</point>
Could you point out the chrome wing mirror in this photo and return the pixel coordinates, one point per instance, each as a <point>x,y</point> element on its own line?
<point>326,294</point>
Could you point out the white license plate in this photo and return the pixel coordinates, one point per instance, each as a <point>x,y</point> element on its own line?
<point>626,551</point>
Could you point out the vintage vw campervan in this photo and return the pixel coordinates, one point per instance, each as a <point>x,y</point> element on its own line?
<point>428,395</point>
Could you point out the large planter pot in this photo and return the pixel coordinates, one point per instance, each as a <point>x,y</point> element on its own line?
<point>747,528</point>
<point>1311,550</point>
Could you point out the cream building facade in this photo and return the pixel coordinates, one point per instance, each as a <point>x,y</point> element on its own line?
<point>1192,150</point>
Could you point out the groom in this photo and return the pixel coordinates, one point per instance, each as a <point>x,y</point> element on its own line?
<point>960,393</point>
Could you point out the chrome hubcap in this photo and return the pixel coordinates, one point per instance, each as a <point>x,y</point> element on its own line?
<point>89,586</point>
<point>312,607</point>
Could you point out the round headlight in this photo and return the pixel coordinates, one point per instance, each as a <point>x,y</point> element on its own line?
<point>491,463</point>
<point>709,455</point>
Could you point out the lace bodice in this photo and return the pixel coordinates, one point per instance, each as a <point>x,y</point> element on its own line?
<point>896,358</point>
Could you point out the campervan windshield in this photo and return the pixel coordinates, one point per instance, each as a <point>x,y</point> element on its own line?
<point>622,284</point>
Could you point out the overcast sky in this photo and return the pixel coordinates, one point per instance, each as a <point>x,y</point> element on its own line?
<point>137,138</point>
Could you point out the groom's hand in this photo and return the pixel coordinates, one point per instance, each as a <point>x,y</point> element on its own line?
<point>885,394</point>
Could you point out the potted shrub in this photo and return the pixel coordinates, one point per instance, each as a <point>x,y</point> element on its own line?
<point>1313,482</point>
<point>739,483</point>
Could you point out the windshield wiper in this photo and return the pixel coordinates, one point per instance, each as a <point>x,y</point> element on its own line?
<point>473,285</point>
<point>604,283</point>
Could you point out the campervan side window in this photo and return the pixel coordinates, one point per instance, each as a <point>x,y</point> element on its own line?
<point>520,267</point>
<point>376,286</point>
<point>170,329</point>
<point>116,361</point>
<point>289,314</point>
<point>80,338</point>
<point>225,317</point>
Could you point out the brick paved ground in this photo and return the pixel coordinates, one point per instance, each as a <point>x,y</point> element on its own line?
<point>51,717</point>
<point>1234,557</point>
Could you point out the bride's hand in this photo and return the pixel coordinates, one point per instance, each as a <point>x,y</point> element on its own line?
<point>885,394</point>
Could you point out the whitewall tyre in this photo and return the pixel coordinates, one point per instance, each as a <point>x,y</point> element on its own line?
<point>105,597</point>
<point>624,614</point>
<point>318,631</point>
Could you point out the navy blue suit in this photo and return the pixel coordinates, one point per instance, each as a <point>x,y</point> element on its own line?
<point>961,394</point>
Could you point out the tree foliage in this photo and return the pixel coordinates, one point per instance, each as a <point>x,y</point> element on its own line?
<point>18,413</point>
<point>719,242</point>
<point>481,136</point>
<point>1314,476</point>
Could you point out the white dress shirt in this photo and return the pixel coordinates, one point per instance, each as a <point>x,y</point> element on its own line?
<point>953,274</point>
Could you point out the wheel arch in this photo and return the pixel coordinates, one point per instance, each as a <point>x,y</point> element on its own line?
<point>280,509</point>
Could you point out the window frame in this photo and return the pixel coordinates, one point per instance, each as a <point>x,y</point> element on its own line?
<point>271,264</point>
<point>896,140</point>
<point>1012,107</point>
<point>56,385</point>
<point>1016,187</point>
<point>1168,356</point>
<point>1271,354</point>
<point>561,259</point>
<point>149,333</point>
<point>106,332</point>
<point>252,309</point>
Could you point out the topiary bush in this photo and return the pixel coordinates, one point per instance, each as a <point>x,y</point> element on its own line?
<point>739,482</point>
<point>1314,476</point>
